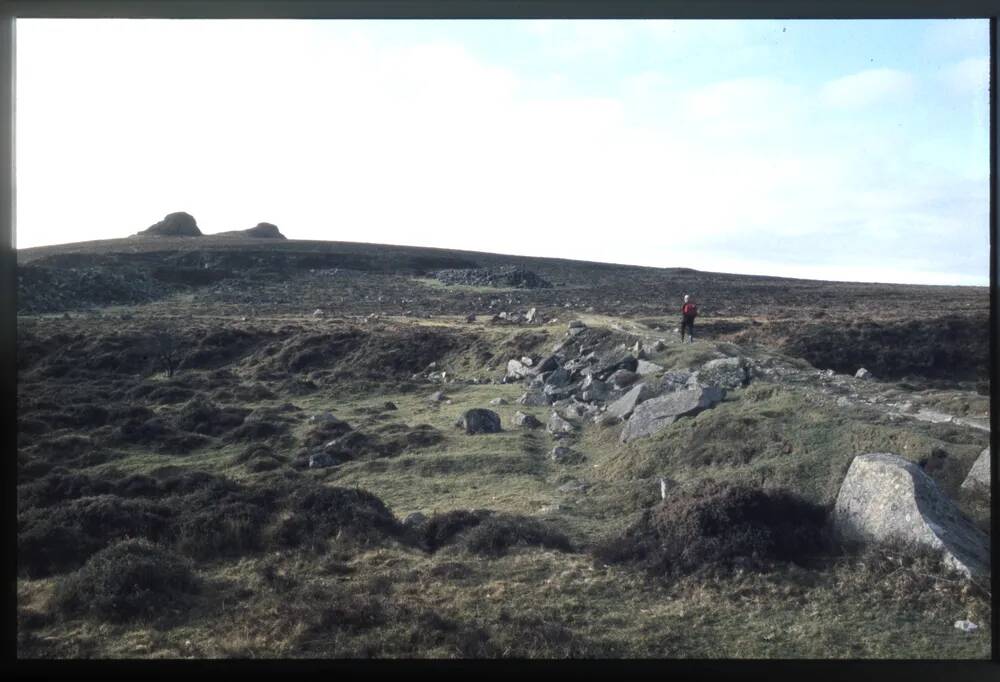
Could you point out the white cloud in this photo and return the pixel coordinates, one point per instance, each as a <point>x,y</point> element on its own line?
<point>332,134</point>
<point>969,76</point>
<point>868,88</point>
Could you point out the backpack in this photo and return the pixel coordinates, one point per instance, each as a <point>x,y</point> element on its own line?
<point>690,310</point>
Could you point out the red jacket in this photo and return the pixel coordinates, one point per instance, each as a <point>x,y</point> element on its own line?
<point>689,310</point>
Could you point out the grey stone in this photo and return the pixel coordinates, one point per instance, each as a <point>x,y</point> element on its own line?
<point>644,367</point>
<point>608,363</point>
<point>498,401</point>
<point>726,372</point>
<point>527,361</point>
<point>558,425</point>
<point>594,389</point>
<point>657,413</point>
<point>863,374</point>
<point>526,421</point>
<point>479,420</point>
<point>559,377</point>
<point>979,474</point>
<point>626,404</point>
<point>885,498</point>
<point>547,365</point>
<point>534,398</point>
<point>437,397</point>
<point>530,317</point>
<point>577,324</point>
<point>623,377</point>
<point>659,345</point>
<point>516,369</point>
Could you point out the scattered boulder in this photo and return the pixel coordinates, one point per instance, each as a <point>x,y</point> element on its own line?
<point>657,413</point>
<point>437,397</point>
<point>498,401</point>
<point>645,367</point>
<point>479,420</point>
<point>887,499</point>
<point>470,317</point>
<point>659,345</point>
<point>516,369</point>
<point>625,405</point>
<point>594,389</point>
<point>577,324</point>
<point>534,398</point>
<point>530,317</point>
<point>623,377</point>
<point>317,313</point>
<point>559,426</point>
<point>979,475</point>
<point>728,373</point>
<point>547,365</point>
<point>863,374</point>
<point>178,224</point>
<point>558,378</point>
<point>563,455</point>
<point>610,363</point>
<point>389,405</point>
<point>526,421</point>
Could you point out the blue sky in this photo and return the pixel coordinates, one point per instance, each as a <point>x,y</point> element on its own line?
<point>853,150</point>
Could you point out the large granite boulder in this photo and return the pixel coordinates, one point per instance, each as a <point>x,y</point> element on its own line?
<point>178,224</point>
<point>657,413</point>
<point>625,405</point>
<point>979,475</point>
<point>558,426</point>
<point>479,420</point>
<point>516,369</point>
<point>726,372</point>
<point>885,498</point>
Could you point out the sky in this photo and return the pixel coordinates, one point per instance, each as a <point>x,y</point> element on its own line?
<point>842,150</point>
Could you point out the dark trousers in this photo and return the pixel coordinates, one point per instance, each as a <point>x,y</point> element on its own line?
<point>687,323</point>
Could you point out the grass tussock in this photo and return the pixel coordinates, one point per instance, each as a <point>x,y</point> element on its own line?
<point>128,580</point>
<point>720,526</point>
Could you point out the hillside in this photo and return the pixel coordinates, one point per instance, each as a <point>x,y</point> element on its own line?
<point>236,447</point>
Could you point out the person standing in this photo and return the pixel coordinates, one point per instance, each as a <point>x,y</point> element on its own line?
<point>689,311</point>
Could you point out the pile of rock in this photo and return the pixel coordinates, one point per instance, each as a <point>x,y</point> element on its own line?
<point>504,276</point>
<point>529,316</point>
<point>581,380</point>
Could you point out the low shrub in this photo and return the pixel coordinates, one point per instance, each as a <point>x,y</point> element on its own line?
<point>61,537</point>
<point>719,525</point>
<point>500,532</point>
<point>128,580</point>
